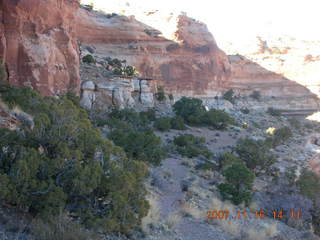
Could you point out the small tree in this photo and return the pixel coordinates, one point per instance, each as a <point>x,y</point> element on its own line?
<point>218,119</point>
<point>229,96</point>
<point>163,124</point>
<point>190,109</point>
<point>178,123</point>
<point>255,154</point>
<point>88,59</point>
<point>239,180</point>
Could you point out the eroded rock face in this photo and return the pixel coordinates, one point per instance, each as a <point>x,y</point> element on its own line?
<point>190,63</point>
<point>39,46</point>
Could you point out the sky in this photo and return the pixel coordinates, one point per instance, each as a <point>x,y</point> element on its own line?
<point>236,20</point>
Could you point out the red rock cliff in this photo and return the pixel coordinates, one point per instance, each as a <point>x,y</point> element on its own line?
<point>38,44</point>
<point>188,63</point>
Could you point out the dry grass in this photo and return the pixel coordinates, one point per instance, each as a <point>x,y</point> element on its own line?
<point>60,228</point>
<point>265,231</point>
<point>173,220</point>
<point>153,216</point>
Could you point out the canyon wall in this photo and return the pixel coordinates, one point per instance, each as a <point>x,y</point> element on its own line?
<point>40,43</point>
<point>39,46</point>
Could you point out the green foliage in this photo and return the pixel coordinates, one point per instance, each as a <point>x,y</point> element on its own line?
<point>116,63</point>
<point>245,110</point>
<point>309,183</point>
<point>229,96</point>
<point>63,164</point>
<point>256,95</point>
<point>163,124</point>
<point>228,159</point>
<point>190,109</point>
<point>178,123</point>
<point>171,98</point>
<point>130,131</point>
<point>239,180</point>
<point>126,71</point>
<point>3,73</point>
<point>255,154</point>
<point>191,146</point>
<point>281,135</point>
<point>88,59</point>
<point>160,95</point>
<point>194,113</point>
<point>217,119</point>
<point>274,112</point>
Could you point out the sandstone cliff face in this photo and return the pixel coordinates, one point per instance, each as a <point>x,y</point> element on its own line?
<point>38,44</point>
<point>190,63</point>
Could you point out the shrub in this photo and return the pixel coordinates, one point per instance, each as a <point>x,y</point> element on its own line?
<point>126,71</point>
<point>274,112</point>
<point>150,115</point>
<point>171,98</point>
<point>178,123</point>
<point>309,183</point>
<point>160,95</point>
<point>239,180</point>
<point>255,154</point>
<point>256,95</point>
<point>281,135</point>
<point>88,59</point>
<point>139,145</point>
<point>191,146</point>
<point>190,109</point>
<point>229,96</point>
<point>245,110</point>
<point>116,63</point>
<point>217,119</point>
<point>64,164</point>
<point>163,124</point>
<point>295,123</point>
<point>228,159</point>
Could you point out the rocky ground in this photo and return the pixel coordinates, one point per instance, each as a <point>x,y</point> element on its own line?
<point>180,194</point>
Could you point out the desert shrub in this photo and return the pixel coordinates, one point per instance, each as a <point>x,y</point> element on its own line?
<point>229,96</point>
<point>116,63</point>
<point>274,112</point>
<point>190,109</point>
<point>217,119</point>
<point>126,71</point>
<point>255,154</point>
<point>178,123</point>
<point>191,146</point>
<point>245,110</point>
<point>129,130</point>
<point>308,184</point>
<point>206,166</point>
<point>194,113</point>
<point>171,98</point>
<point>256,95</point>
<point>160,95</point>
<point>88,59</point>
<point>281,135</point>
<point>238,185</point>
<point>295,123</point>
<point>64,164</point>
<point>228,159</point>
<point>163,124</point>
<point>150,114</point>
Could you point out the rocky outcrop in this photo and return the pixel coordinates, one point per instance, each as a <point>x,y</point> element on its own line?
<point>100,89</point>
<point>189,63</point>
<point>39,46</point>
